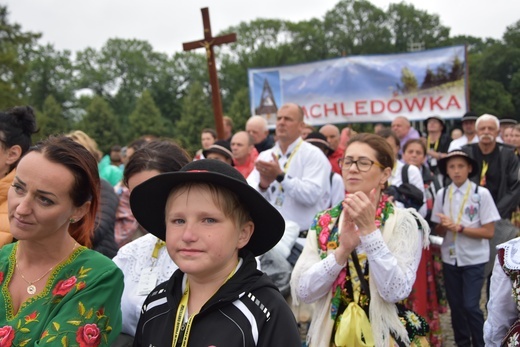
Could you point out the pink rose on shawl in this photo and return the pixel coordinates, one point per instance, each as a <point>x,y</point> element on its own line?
<point>88,336</point>
<point>324,237</point>
<point>339,280</point>
<point>324,220</point>
<point>6,336</point>
<point>64,286</point>
<point>1,277</point>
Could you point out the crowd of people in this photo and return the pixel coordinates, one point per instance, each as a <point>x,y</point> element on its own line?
<point>305,236</point>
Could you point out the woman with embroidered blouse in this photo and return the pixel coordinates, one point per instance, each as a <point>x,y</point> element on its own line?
<point>54,290</point>
<point>360,259</point>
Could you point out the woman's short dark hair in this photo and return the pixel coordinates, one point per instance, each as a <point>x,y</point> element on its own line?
<point>160,155</point>
<point>417,141</point>
<point>386,133</point>
<point>16,127</point>
<point>83,166</point>
<point>210,131</point>
<point>384,153</point>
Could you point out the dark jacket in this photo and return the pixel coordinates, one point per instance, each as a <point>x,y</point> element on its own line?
<point>103,240</point>
<point>509,188</point>
<point>247,305</point>
<point>266,144</point>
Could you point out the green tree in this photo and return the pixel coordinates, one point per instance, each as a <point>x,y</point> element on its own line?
<point>171,81</point>
<point>146,118</point>
<point>101,124</point>
<point>489,96</point>
<point>356,27</point>
<point>409,81</point>
<point>239,110</point>
<point>50,72</point>
<point>14,47</point>
<point>196,115</point>
<point>410,25</point>
<point>52,120</point>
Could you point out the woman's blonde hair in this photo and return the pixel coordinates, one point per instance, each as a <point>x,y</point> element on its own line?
<point>87,142</point>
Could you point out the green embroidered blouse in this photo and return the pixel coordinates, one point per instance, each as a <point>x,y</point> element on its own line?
<point>79,306</point>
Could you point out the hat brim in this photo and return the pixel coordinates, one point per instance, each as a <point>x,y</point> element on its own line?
<point>437,118</point>
<point>219,151</point>
<point>442,163</point>
<point>148,203</point>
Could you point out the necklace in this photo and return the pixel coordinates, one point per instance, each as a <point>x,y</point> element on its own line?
<point>31,288</point>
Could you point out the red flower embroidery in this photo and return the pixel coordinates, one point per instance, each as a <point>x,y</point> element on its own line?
<point>324,237</point>
<point>324,220</point>
<point>6,336</point>
<point>1,277</point>
<point>45,333</point>
<point>88,336</point>
<point>31,317</point>
<point>80,286</point>
<point>64,286</point>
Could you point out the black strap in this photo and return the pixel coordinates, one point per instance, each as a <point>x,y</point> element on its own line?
<point>361,275</point>
<point>404,173</point>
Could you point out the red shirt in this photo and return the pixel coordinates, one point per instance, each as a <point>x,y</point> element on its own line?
<point>246,168</point>
<point>333,158</point>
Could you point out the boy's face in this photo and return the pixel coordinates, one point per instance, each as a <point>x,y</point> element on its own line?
<point>200,239</point>
<point>458,169</point>
<point>414,154</point>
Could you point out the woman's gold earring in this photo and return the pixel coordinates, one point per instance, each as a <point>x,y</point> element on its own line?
<point>72,220</point>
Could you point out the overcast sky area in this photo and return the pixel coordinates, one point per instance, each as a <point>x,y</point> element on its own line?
<point>166,24</point>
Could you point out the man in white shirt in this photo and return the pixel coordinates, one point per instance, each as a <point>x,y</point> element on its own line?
<point>469,129</point>
<point>293,175</point>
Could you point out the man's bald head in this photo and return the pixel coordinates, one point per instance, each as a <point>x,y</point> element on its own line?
<point>401,126</point>
<point>331,132</point>
<point>256,126</point>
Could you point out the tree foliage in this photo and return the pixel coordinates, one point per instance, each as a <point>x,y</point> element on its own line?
<point>126,89</point>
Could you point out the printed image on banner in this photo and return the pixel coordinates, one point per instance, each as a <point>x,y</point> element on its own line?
<point>374,88</point>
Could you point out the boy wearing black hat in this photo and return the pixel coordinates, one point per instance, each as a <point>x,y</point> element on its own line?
<point>214,225</point>
<point>465,214</point>
<point>220,150</point>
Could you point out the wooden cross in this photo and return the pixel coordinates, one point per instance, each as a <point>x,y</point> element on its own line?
<point>208,43</point>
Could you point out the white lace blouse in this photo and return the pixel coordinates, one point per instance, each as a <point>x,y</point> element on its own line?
<point>134,258</point>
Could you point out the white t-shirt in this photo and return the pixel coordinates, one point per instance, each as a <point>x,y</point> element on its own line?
<point>414,178</point>
<point>479,209</point>
<point>461,141</point>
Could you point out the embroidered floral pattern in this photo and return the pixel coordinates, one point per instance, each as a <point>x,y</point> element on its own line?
<point>1,277</point>
<point>88,335</point>
<point>6,336</point>
<point>92,328</point>
<point>64,286</point>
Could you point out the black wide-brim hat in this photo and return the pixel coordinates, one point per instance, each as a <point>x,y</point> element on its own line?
<point>439,118</point>
<point>148,201</point>
<point>221,147</point>
<point>442,163</point>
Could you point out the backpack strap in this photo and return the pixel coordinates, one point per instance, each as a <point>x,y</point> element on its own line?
<point>404,173</point>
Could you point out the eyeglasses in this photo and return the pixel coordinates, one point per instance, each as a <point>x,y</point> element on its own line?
<point>363,164</point>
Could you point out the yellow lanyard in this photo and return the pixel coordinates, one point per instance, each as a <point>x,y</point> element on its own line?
<point>181,311</point>
<point>288,162</point>
<point>485,166</point>
<point>286,166</point>
<point>461,211</point>
<point>158,245</point>
<point>435,146</point>
<point>155,254</point>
